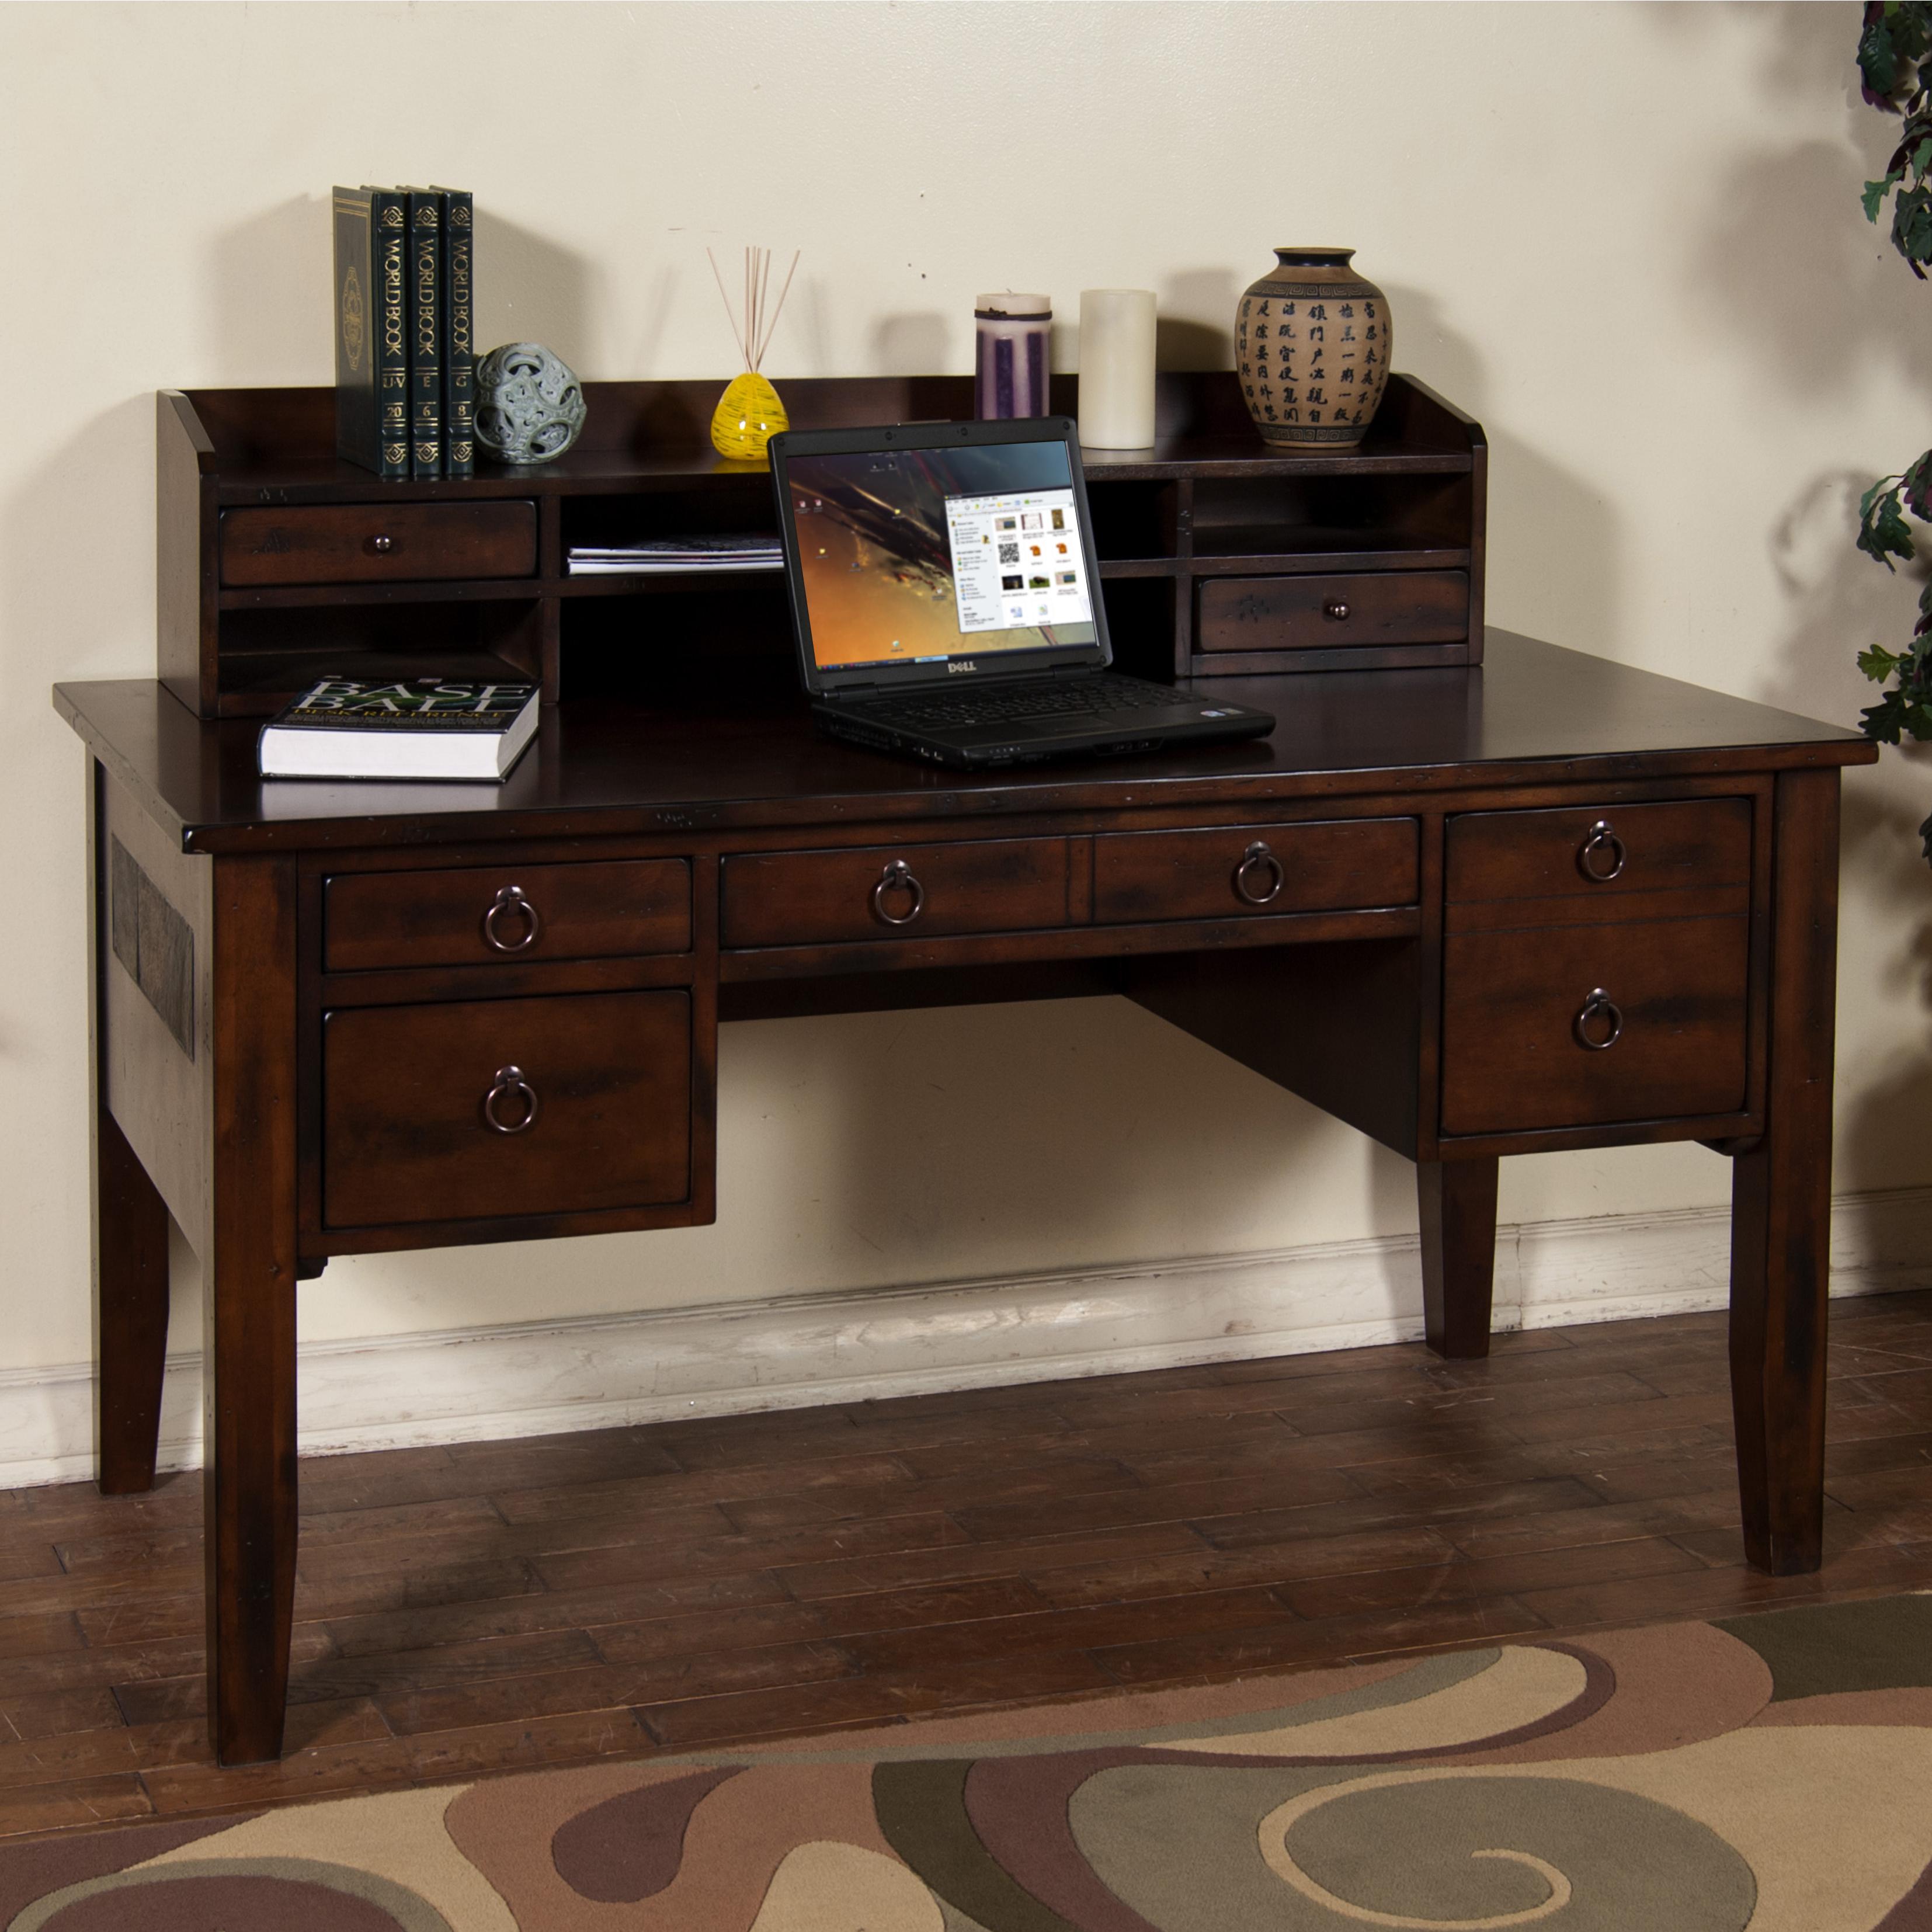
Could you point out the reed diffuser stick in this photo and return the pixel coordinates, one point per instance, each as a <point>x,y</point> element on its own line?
<point>754,324</point>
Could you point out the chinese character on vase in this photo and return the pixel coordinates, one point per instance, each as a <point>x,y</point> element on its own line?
<point>1312,296</point>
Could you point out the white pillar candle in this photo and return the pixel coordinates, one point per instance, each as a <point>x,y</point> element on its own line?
<point>1116,368</point>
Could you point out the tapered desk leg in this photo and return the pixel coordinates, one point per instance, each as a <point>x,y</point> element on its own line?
<point>1458,1200</point>
<point>130,1290</point>
<point>249,1366</point>
<point>1781,1200</point>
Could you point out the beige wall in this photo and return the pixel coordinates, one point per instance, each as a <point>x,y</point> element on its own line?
<point>1626,237</point>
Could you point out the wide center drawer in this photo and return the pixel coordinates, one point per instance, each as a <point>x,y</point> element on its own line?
<point>378,543</point>
<point>478,915</point>
<point>493,1108</point>
<point>1242,870</point>
<point>1302,614</point>
<point>886,891</point>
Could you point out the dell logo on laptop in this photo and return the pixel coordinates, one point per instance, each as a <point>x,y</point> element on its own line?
<point>961,664</point>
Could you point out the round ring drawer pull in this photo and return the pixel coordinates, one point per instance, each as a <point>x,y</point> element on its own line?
<point>510,1084</point>
<point>898,876</point>
<point>1258,864</point>
<point>1336,609</point>
<point>510,903</point>
<point>1599,1007</point>
<point>1601,844</point>
<point>382,545</point>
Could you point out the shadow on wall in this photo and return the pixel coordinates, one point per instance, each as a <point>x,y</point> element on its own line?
<point>1033,1136</point>
<point>1194,326</point>
<point>529,289</point>
<point>1785,264</point>
<point>1556,568</point>
<point>263,321</point>
<point>1784,258</point>
<point>76,627</point>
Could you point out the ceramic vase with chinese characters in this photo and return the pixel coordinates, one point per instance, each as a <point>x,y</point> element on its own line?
<point>1312,349</point>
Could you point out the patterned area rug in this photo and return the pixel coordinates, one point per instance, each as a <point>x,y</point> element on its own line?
<point>1772,1772</point>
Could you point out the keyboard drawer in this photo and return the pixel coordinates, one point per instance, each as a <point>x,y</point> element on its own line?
<point>1241,871</point>
<point>494,1107</point>
<point>486,914</point>
<point>890,892</point>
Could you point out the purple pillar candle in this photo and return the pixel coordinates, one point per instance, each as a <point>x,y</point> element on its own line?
<point>1011,361</point>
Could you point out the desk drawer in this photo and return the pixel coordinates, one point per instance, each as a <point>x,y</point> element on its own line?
<point>1301,614</point>
<point>1596,862</point>
<point>495,1107</point>
<point>1240,870</point>
<point>378,543</point>
<point>481,915</point>
<point>888,891</point>
<point>1667,995</point>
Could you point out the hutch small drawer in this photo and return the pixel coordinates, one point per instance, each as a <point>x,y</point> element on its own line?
<point>1595,1023</point>
<point>1239,870</point>
<point>378,543</point>
<point>1597,863</point>
<point>887,892</point>
<point>488,914</point>
<point>495,1108</point>
<point>1301,614</point>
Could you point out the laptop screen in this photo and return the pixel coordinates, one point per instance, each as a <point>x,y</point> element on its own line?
<point>927,556</point>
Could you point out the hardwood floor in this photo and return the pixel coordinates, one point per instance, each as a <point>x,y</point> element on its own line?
<point>497,1605</point>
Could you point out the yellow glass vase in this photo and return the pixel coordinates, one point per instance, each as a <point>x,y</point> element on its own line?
<point>748,416</point>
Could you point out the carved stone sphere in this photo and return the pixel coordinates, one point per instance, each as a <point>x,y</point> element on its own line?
<point>529,406</point>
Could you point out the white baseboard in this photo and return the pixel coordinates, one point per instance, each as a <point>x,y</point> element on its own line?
<point>535,1379</point>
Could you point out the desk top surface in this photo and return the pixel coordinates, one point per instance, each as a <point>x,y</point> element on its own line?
<point>1532,713</point>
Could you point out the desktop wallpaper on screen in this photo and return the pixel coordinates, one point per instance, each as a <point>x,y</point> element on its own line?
<point>917,555</point>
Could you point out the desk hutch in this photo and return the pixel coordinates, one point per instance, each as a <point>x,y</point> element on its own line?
<point>1477,895</point>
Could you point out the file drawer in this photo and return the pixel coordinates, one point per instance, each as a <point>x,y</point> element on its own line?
<point>1254,870</point>
<point>886,891</point>
<point>1302,614</point>
<point>378,543</point>
<point>1636,1020</point>
<point>505,1108</point>
<point>476,915</point>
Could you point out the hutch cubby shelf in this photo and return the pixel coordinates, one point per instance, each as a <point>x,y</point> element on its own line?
<point>1219,555</point>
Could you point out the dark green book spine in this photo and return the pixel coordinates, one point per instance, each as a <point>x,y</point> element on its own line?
<point>459,334</point>
<point>426,451</point>
<point>355,329</point>
<point>390,210</point>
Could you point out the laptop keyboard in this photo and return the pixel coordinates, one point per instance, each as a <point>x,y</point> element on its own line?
<point>1076,698</point>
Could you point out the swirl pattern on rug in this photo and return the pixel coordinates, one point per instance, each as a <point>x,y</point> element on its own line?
<point>1772,1772</point>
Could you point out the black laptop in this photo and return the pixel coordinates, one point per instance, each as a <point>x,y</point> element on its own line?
<point>947,603</point>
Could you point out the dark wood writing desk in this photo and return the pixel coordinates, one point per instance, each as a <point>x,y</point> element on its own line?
<point>1475,907</point>
<point>1544,901</point>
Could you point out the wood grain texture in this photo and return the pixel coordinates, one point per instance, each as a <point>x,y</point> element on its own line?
<point>1593,1024</point>
<point>1781,1196</point>
<point>1255,871</point>
<point>130,1262</point>
<point>249,1304</point>
<point>1600,855</point>
<point>1342,612</point>
<point>378,543</point>
<point>511,911</point>
<point>560,1105</point>
<point>881,892</point>
<point>1458,1205</point>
